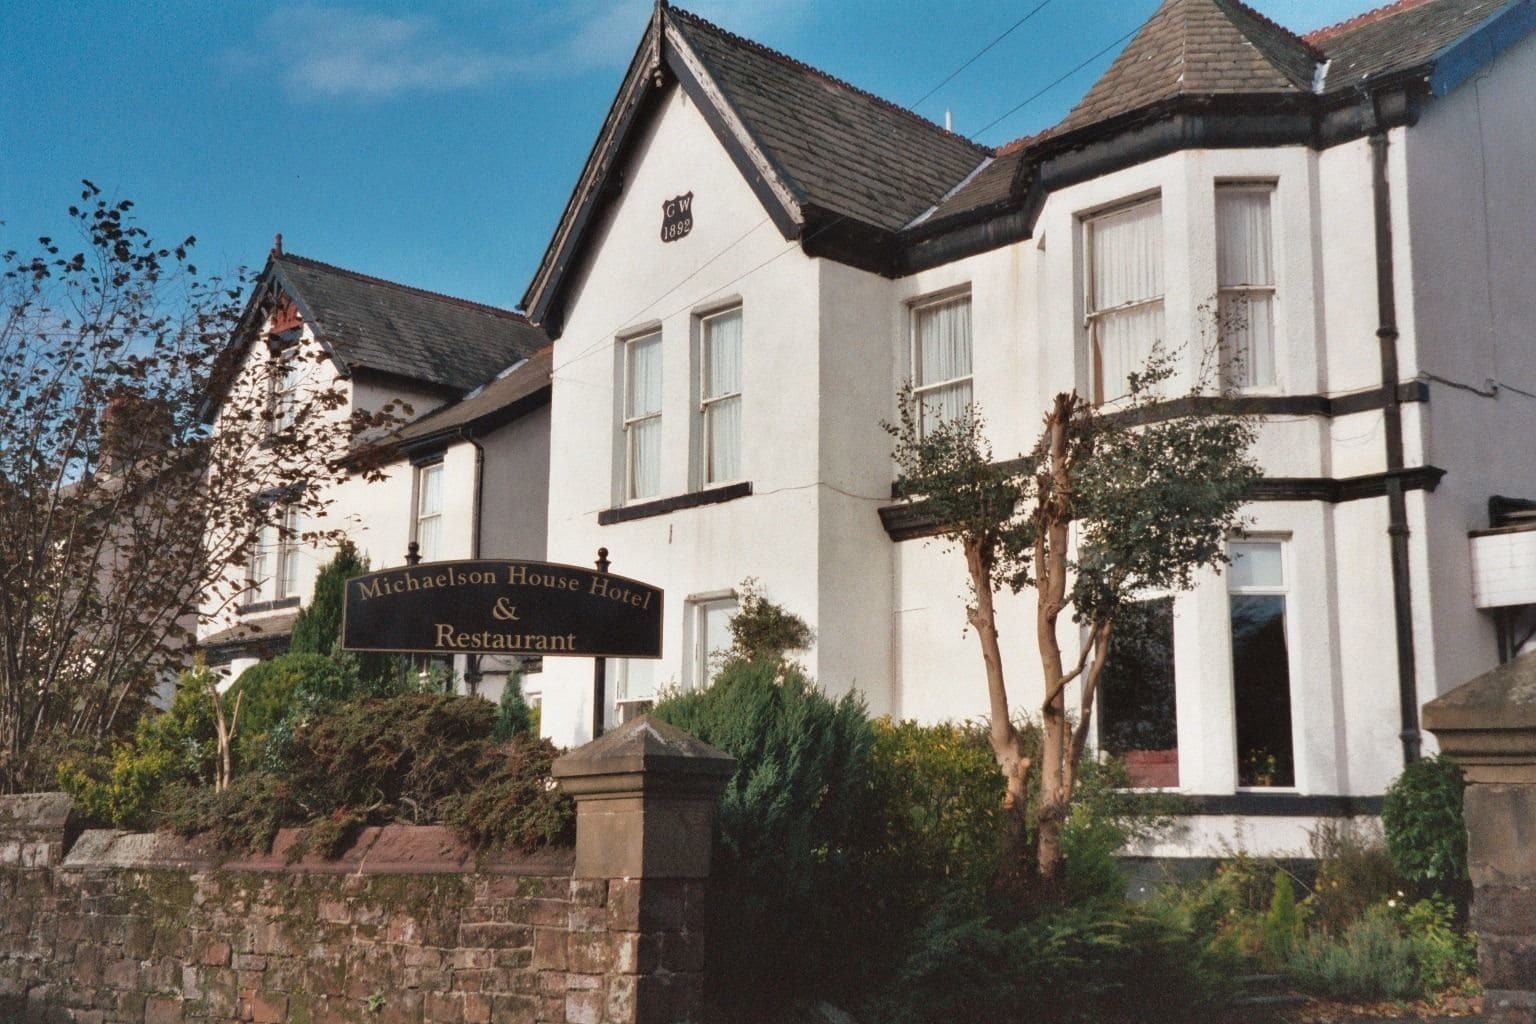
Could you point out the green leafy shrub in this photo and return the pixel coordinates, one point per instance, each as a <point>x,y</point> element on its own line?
<point>1446,958</point>
<point>513,715</point>
<point>1354,872</point>
<point>1426,834</point>
<point>1225,909</point>
<point>269,691</point>
<point>125,786</point>
<point>762,630</point>
<point>783,888</point>
<point>1106,814</point>
<point>1086,962</point>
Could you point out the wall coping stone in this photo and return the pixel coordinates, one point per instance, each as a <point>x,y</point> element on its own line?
<point>1488,725</point>
<point>42,812</point>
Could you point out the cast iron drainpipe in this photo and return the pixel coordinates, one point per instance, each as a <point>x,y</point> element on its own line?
<point>1392,417</point>
<point>472,661</point>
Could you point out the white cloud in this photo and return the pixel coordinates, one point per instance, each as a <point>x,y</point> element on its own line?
<point>340,52</point>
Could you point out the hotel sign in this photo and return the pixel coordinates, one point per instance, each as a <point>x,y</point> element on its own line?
<point>502,607</point>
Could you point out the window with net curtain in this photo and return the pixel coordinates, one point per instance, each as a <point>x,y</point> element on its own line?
<point>720,395</point>
<point>642,416</point>
<point>1245,275</point>
<point>1125,293</point>
<point>287,373</point>
<point>429,512</point>
<point>275,559</point>
<point>941,359</point>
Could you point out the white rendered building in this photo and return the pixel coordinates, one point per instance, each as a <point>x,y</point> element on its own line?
<point>757,254</point>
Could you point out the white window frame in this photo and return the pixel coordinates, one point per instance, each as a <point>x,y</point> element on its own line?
<point>1093,317</point>
<point>277,545</point>
<point>920,386</point>
<point>424,516</point>
<point>287,375</point>
<point>1281,590</point>
<point>707,401</point>
<point>617,673</point>
<point>700,673</point>
<point>631,422</point>
<point>1226,293</point>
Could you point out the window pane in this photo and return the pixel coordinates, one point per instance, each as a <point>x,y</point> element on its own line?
<point>722,355</point>
<point>631,678</point>
<point>943,342</point>
<point>1255,564</point>
<point>1261,680</point>
<point>1137,694</point>
<point>1123,341</point>
<point>429,536</point>
<point>1247,339</point>
<point>644,377</point>
<point>645,458</point>
<point>722,431</point>
<point>1243,237</point>
<point>431,491</point>
<point>944,404</point>
<point>1127,251</point>
<point>715,632</point>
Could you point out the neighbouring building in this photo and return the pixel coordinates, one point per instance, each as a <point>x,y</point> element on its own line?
<point>757,254</point>
<point>468,390</point>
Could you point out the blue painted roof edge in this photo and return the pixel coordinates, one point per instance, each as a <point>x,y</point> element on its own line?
<point>1463,57</point>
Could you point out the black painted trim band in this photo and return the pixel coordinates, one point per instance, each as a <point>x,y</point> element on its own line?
<point>1276,805</point>
<point>911,521</point>
<point>662,506</point>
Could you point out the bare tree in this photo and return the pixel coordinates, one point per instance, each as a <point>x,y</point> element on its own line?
<point>1106,506</point>
<point>138,462</point>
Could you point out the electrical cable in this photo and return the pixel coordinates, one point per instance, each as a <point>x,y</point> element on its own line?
<point>979,53</point>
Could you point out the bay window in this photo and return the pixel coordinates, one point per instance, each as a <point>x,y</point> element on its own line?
<point>642,416</point>
<point>1245,275</point>
<point>1124,294</point>
<point>720,395</point>
<point>941,359</point>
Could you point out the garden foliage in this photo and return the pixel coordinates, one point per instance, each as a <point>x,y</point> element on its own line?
<point>1426,834</point>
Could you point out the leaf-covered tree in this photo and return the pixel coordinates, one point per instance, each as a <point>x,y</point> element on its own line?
<point>139,459</point>
<point>1108,505</point>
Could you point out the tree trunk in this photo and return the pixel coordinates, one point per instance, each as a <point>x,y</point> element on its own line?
<point>1013,865</point>
<point>1053,516</point>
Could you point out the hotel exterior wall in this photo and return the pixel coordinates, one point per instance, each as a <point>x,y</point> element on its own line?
<point>634,282</point>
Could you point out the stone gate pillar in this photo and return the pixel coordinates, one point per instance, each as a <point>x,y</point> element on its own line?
<point>1488,726</point>
<point>645,801</point>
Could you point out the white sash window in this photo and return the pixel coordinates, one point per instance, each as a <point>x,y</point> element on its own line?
<point>941,359</point>
<point>642,416</point>
<point>720,396</point>
<point>1245,274</point>
<point>429,512</point>
<point>1125,294</point>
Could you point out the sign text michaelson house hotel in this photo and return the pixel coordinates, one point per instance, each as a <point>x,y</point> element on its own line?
<point>502,607</point>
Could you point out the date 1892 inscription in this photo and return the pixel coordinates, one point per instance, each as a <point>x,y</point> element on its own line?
<point>677,217</point>
<point>502,607</point>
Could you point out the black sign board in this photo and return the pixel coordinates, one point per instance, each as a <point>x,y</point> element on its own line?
<point>676,217</point>
<point>502,607</point>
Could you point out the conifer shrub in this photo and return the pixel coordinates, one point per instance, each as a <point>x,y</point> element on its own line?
<point>783,884</point>
<point>513,715</point>
<point>270,691</point>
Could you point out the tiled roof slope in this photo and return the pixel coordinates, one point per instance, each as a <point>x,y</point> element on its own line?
<point>523,382</point>
<point>1398,37</point>
<point>843,149</point>
<point>1201,47</point>
<point>395,329</point>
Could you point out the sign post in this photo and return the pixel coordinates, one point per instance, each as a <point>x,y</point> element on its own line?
<point>506,607</point>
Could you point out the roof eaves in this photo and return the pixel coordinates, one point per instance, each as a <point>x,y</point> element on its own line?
<point>1474,49</point>
<point>785,199</point>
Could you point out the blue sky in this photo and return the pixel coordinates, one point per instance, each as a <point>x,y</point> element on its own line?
<point>435,144</point>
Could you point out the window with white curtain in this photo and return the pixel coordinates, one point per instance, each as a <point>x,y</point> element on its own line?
<point>1245,276</point>
<point>642,416</point>
<point>941,359</point>
<point>1125,293</point>
<point>720,395</point>
<point>275,559</point>
<point>429,512</point>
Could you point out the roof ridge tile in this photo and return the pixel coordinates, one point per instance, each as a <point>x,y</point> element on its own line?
<point>1301,40</point>
<point>1320,35</point>
<point>426,293</point>
<point>800,65</point>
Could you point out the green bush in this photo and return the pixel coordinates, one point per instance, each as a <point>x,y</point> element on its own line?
<point>1370,959</point>
<point>1354,872</point>
<point>269,691</point>
<point>317,629</point>
<point>783,889</point>
<point>125,786</point>
<point>513,715</point>
<point>513,803</point>
<point>1282,926</point>
<point>1426,834</point>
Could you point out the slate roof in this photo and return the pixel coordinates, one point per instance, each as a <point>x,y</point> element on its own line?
<point>841,148</point>
<point>1397,37</point>
<point>392,328</point>
<point>500,397</point>
<point>1198,47</point>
